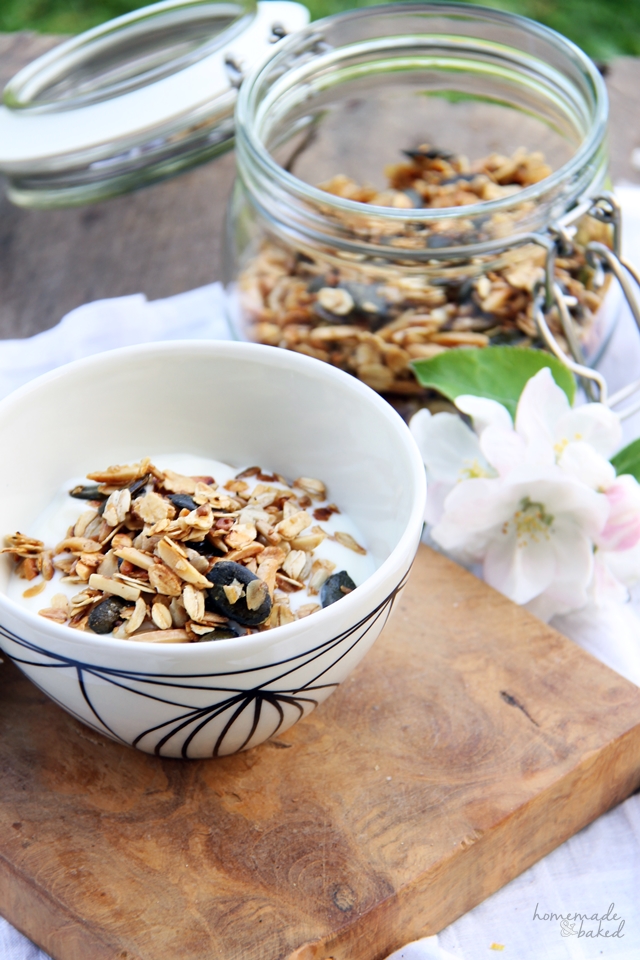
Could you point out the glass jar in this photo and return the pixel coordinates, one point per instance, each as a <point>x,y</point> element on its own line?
<point>135,100</point>
<point>408,176</point>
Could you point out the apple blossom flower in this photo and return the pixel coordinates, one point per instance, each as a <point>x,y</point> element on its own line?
<point>547,427</point>
<point>537,502</point>
<point>617,556</point>
<point>533,532</point>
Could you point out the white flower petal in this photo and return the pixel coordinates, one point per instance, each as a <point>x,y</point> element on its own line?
<point>542,403</point>
<point>484,412</point>
<point>605,585</point>
<point>560,494</point>
<point>449,448</point>
<point>436,496</point>
<point>595,424</point>
<point>624,565</point>
<point>581,461</point>
<point>503,449</point>
<point>480,505</point>
<point>472,510</point>
<point>465,547</point>
<point>622,529</point>
<point>520,572</point>
<point>573,569</point>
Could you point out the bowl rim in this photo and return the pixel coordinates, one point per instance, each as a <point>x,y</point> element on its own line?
<point>274,357</point>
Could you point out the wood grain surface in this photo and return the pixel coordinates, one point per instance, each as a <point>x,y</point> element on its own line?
<point>167,238</point>
<point>469,743</point>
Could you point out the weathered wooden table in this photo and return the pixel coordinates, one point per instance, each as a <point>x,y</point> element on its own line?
<point>167,238</point>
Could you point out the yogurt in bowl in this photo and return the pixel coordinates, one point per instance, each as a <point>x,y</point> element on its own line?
<point>238,404</point>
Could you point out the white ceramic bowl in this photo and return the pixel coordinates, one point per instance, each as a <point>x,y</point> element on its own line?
<point>240,403</point>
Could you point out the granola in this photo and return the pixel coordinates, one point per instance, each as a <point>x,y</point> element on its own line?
<point>164,557</point>
<point>373,319</point>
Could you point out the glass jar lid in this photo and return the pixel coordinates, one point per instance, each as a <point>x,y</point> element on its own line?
<point>134,100</point>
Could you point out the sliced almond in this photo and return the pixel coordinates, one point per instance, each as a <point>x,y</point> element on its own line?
<point>28,568</point>
<point>251,550</point>
<point>320,571</point>
<point>115,587</point>
<point>307,609</point>
<point>236,486</point>
<point>47,565</point>
<point>241,535</point>
<point>134,582</point>
<point>178,482</point>
<point>193,602</point>
<point>308,541</point>
<point>292,526</point>
<point>233,591</point>
<point>83,571</point>
<point>257,592</point>
<point>267,531</point>
<point>315,488</point>
<point>280,615</point>
<point>179,615</point>
<point>108,565</point>
<point>175,558</point>
<point>163,636</point>
<point>79,545</point>
<point>161,616</point>
<point>53,613</point>
<point>136,618</point>
<point>213,619</point>
<point>22,546</point>
<point>117,507</point>
<point>347,541</point>
<point>289,507</point>
<point>201,629</point>
<point>294,564</point>
<point>287,584</point>
<point>139,559</point>
<point>83,522</point>
<point>165,581</point>
<point>60,602</point>
<point>121,475</point>
<point>200,519</point>
<point>270,560</point>
<point>199,562</point>
<point>34,590</point>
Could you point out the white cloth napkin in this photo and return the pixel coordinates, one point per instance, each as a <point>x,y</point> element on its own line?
<point>118,322</point>
<point>599,866</point>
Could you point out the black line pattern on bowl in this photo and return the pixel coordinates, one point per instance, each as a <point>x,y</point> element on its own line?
<point>279,692</point>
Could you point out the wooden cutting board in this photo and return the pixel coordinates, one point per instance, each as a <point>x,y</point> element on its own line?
<point>470,742</point>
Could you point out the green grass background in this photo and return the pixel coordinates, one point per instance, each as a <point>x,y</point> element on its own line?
<point>604,28</point>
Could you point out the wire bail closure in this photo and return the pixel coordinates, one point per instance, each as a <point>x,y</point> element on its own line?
<point>605,209</point>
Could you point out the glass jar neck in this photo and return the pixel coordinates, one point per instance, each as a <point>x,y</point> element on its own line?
<point>452,51</point>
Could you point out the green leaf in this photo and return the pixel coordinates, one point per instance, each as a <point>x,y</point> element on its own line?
<point>627,460</point>
<point>499,373</point>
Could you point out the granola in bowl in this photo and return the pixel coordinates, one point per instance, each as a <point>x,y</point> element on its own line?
<point>165,555</point>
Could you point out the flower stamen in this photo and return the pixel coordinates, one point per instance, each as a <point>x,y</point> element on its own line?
<point>473,470</point>
<point>531,521</point>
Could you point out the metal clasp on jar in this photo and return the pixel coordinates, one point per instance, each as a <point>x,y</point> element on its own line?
<point>606,209</point>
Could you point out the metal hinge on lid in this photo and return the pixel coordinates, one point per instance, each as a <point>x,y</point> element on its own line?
<point>605,209</point>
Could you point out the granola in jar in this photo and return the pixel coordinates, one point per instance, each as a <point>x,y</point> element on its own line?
<point>373,319</point>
